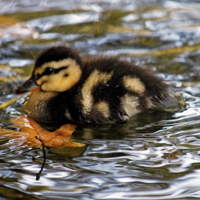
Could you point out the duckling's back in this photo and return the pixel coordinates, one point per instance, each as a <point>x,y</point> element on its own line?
<point>111,90</point>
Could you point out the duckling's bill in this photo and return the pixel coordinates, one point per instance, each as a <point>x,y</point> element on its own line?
<point>29,85</point>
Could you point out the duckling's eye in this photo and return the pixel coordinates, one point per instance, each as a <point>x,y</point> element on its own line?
<point>49,71</point>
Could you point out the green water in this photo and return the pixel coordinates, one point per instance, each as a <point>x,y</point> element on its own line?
<point>156,155</point>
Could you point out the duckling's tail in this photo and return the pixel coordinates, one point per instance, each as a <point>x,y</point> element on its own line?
<point>165,101</point>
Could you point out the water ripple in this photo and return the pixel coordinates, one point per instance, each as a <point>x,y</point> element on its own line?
<point>156,154</point>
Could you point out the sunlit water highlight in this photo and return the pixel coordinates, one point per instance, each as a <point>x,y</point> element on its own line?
<point>156,155</point>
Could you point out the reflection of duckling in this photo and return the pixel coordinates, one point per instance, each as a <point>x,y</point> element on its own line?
<point>100,90</point>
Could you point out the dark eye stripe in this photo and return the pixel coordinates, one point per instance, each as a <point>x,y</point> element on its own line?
<point>50,70</point>
<point>59,69</point>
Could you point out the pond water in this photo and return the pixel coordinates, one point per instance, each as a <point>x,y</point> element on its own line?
<point>156,155</point>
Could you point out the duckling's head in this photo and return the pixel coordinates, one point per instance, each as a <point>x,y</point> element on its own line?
<point>56,70</point>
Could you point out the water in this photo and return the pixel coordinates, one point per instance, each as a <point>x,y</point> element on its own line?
<point>155,155</point>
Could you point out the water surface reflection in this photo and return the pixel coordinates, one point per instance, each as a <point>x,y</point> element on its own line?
<point>154,155</point>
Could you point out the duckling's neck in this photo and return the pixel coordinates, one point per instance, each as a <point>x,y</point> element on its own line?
<point>36,106</point>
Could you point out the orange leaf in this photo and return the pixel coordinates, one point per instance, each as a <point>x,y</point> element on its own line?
<point>34,135</point>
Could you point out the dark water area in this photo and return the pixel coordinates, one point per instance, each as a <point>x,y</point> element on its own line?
<point>156,155</point>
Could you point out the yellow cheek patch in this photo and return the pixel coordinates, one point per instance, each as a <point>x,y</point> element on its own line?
<point>59,82</point>
<point>93,80</point>
<point>133,84</point>
<point>74,73</point>
<point>62,81</point>
<point>40,81</point>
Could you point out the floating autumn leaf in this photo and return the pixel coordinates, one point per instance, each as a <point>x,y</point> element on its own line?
<point>34,135</point>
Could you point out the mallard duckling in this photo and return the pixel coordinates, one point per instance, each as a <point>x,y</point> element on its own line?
<point>99,90</point>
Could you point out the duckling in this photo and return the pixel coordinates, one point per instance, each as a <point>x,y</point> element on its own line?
<point>98,90</point>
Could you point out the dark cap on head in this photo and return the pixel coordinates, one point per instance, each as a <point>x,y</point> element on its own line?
<point>56,54</point>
